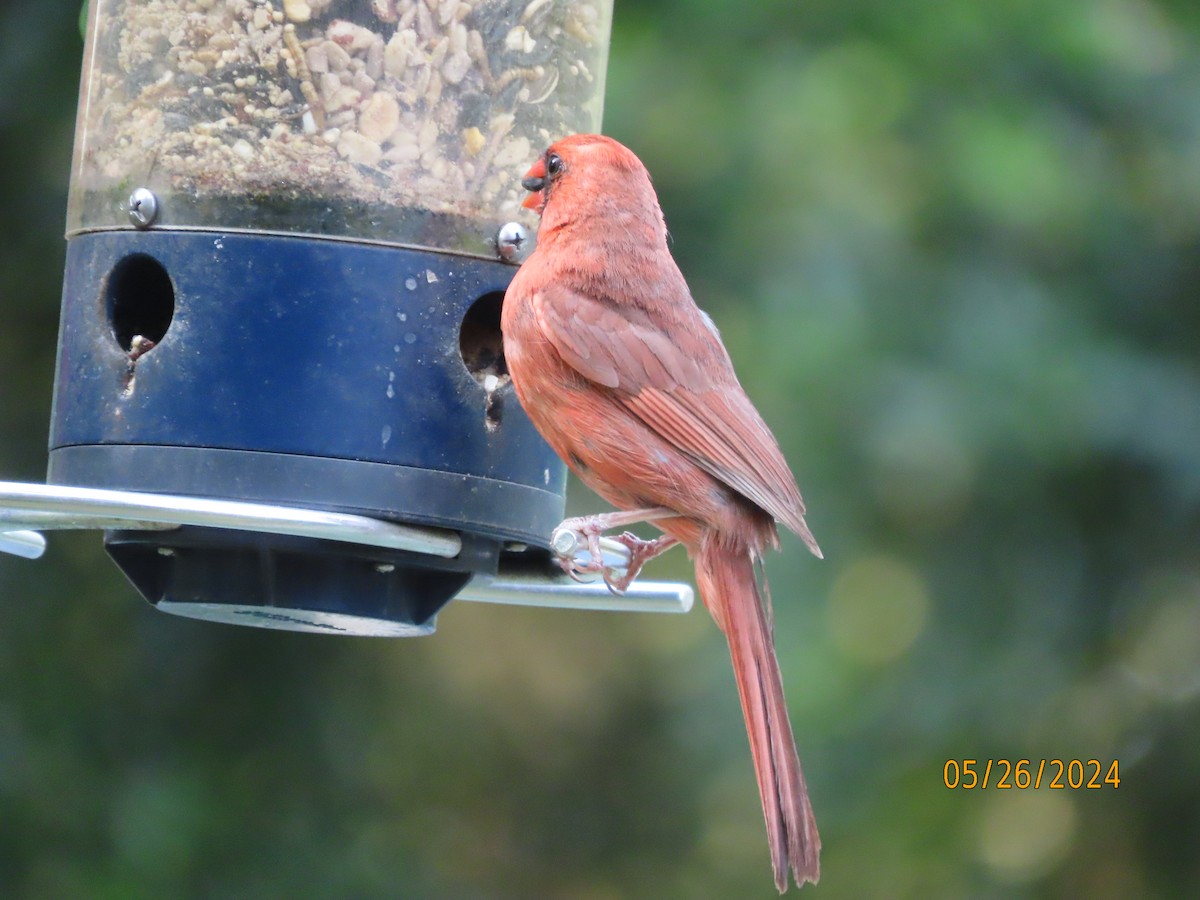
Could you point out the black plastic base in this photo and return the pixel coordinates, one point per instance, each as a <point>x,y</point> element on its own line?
<point>298,584</point>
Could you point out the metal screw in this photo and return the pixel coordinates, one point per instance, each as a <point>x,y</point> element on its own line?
<point>511,241</point>
<point>143,207</point>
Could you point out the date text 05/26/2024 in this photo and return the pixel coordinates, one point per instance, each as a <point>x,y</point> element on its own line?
<point>1021,774</point>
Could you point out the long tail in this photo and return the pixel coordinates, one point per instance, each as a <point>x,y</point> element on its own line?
<point>726,577</point>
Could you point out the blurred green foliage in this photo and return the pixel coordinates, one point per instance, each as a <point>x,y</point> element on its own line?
<point>954,250</point>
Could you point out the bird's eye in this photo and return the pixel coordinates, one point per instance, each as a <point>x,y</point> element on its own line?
<point>554,164</point>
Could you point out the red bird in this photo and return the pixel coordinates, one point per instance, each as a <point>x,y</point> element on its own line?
<point>629,382</point>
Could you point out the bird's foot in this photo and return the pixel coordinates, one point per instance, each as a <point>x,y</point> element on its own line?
<point>565,544</point>
<point>587,530</point>
<point>640,552</point>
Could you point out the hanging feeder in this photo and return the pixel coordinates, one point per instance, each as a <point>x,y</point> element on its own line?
<point>280,385</point>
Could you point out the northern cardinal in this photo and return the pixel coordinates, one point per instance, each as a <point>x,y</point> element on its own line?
<point>629,382</point>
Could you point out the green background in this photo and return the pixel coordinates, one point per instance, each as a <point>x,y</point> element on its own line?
<point>953,249</point>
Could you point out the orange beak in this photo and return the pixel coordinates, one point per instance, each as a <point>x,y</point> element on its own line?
<point>535,182</point>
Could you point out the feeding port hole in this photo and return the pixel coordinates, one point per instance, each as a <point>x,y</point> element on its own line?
<point>140,300</point>
<point>482,348</point>
<point>480,342</point>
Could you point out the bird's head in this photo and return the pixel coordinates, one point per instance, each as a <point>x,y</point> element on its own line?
<point>588,174</point>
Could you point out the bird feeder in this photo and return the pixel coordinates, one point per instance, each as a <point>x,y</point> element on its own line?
<point>280,384</point>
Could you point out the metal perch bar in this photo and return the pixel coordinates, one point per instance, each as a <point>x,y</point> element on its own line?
<point>536,589</point>
<point>54,506</point>
<point>28,544</point>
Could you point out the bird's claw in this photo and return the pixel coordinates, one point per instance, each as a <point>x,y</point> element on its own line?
<point>641,552</point>
<point>582,573</point>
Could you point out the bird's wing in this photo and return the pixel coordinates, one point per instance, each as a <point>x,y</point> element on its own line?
<point>682,385</point>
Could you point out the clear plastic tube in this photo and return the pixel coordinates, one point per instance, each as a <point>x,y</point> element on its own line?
<point>405,121</point>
